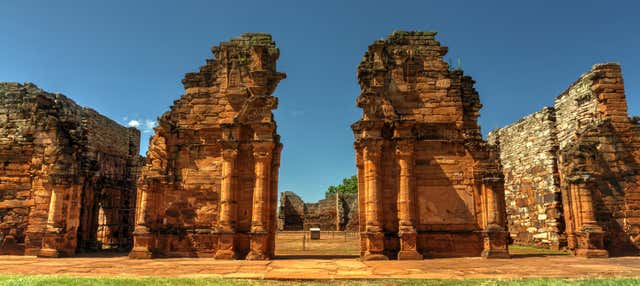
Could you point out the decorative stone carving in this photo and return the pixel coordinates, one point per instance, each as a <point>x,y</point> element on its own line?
<point>210,186</point>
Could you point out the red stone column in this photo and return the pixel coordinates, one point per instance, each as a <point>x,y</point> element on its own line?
<point>142,237</point>
<point>589,236</point>
<point>406,196</point>
<point>226,248</point>
<point>275,167</point>
<point>52,239</point>
<point>374,231</point>
<point>494,233</point>
<point>262,155</point>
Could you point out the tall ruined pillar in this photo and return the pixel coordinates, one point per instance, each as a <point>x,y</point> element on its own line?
<point>275,168</point>
<point>227,205</point>
<point>374,233</point>
<point>262,154</point>
<point>494,234</point>
<point>419,151</point>
<point>406,197</point>
<point>588,236</point>
<point>213,159</point>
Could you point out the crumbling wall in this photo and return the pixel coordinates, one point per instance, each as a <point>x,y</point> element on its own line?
<point>209,188</point>
<point>291,214</point>
<point>60,163</point>
<point>528,153</point>
<point>597,164</point>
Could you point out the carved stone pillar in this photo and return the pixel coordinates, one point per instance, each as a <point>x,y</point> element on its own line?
<point>406,197</point>
<point>494,234</point>
<point>226,248</point>
<point>275,167</point>
<point>374,232</point>
<point>589,236</point>
<point>262,155</point>
<point>52,240</point>
<point>142,237</point>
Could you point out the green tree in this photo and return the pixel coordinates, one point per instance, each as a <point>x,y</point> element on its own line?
<point>348,186</point>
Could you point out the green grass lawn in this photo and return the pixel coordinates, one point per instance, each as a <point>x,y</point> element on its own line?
<point>81,281</point>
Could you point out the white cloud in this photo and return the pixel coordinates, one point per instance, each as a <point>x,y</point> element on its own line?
<point>149,125</point>
<point>144,125</point>
<point>133,123</point>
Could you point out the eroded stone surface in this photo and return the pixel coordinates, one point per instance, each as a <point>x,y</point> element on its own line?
<point>210,185</point>
<point>429,186</point>
<point>581,189</point>
<point>67,182</point>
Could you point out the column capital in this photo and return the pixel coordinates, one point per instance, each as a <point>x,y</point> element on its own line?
<point>263,150</point>
<point>229,154</point>
<point>372,149</point>
<point>404,148</point>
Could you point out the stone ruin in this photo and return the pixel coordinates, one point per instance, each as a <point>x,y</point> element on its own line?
<point>333,213</point>
<point>209,188</point>
<point>291,212</point>
<point>429,186</point>
<point>67,180</point>
<point>571,170</point>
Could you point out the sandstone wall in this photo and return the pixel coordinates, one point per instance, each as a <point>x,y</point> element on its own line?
<point>291,213</point>
<point>429,186</point>
<point>594,149</point>
<point>209,187</point>
<point>50,144</point>
<point>528,153</point>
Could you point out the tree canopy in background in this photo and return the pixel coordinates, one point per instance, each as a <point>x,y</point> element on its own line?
<point>348,186</point>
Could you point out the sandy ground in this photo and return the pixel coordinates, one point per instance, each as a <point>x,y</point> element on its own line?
<point>332,257</point>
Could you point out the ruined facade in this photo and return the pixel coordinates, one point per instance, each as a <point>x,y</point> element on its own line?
<point>333,213</point>
<point>581,189</point>
<point>291,212</point>
<point>209,188</point>
<point>67,182</point>
<point>429,186</point>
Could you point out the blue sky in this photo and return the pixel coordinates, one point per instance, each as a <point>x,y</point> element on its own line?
<point>126,58</point>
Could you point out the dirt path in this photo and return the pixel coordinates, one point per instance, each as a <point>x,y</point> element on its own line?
<point>543,266</point>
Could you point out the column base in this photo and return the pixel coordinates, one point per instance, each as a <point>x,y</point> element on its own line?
<point>408,244</point>
<point>591,243</point>
<point>52,244</point>
<point>140,254</point>
<point>142,241</point>
<point>409,255</point>
<point>226,249</point>
<point>375,246</point>
<point>374,256</point>
<point>495,253</point>
<point>592,253</point>
<point>258,250</point>
<point>49,253</point>
<point>495,243</point>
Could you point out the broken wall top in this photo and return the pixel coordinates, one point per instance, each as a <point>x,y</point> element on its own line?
<point>28,109</point>
<point>405,79</point>
<point>233,87</point>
